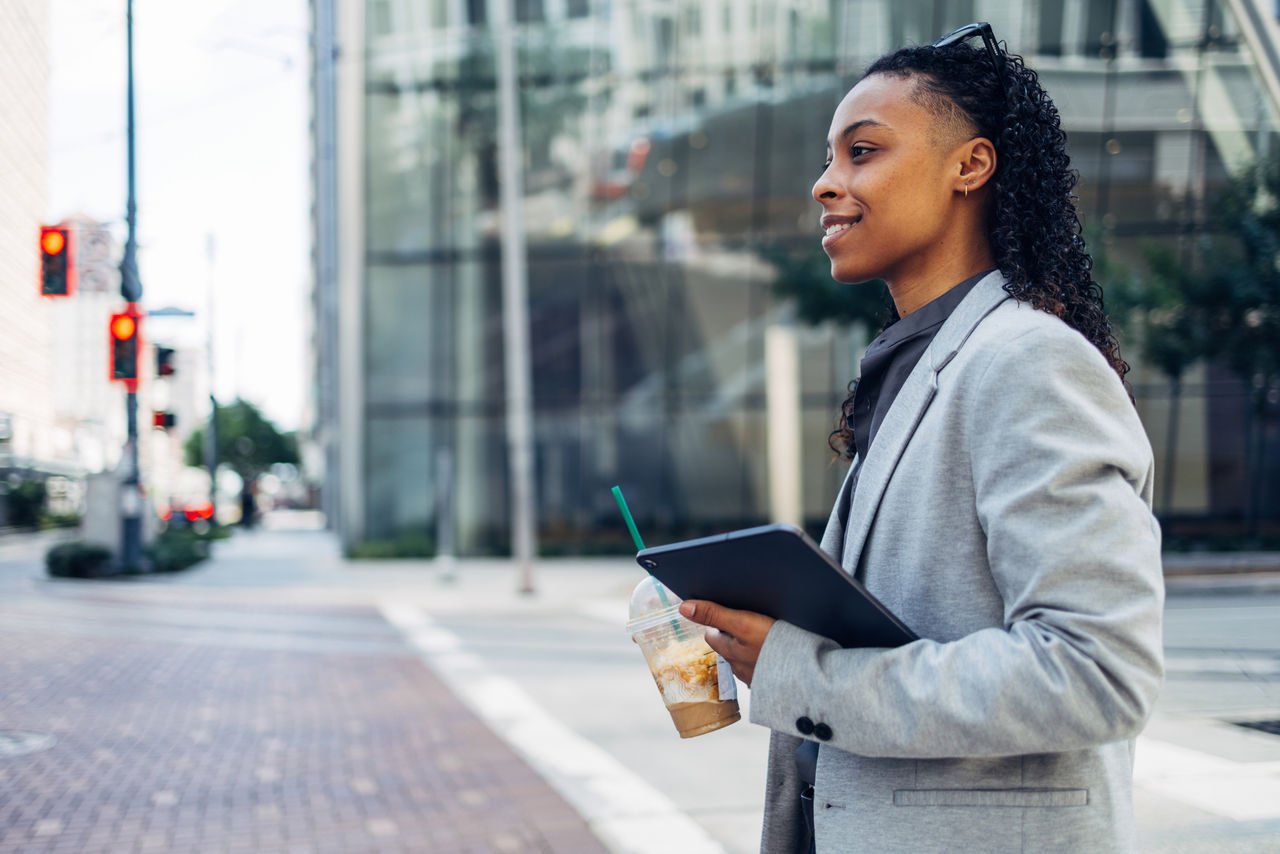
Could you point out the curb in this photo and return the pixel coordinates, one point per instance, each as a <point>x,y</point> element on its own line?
<point>1222,583</point>
<point>1199,573</point>
<point>1211,563</point>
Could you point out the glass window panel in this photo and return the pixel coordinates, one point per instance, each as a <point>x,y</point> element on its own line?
<point>1049,36</point>
<point>379,20</point>
<point>1151,39</point>
<point>527,11</point>
<point>407,335</point>
<point>399,493</point>
<point>1100,26</point>
<point>477,445</point>
<point>426,160</point>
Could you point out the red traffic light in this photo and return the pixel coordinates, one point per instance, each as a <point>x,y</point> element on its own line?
<point>124,346</point>
<point>57,273</point>
<point>123,326</point>
<point>53,240</point>
<point>163,420</point>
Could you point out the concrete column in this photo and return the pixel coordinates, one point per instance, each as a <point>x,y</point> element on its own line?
<point>783,410</point>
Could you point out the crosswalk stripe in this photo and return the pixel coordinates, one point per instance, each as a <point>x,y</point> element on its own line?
<point>626,813</point>
<point>1243,791</point>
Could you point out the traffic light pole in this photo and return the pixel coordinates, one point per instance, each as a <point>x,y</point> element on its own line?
<point>131,290</point>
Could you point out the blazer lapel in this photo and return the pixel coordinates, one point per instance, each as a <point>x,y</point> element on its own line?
<point>908,408</point>
<point>833,537</point>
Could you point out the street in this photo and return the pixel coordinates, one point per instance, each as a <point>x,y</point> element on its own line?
<point>280,699</point>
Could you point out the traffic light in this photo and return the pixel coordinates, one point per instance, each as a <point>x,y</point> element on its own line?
<point>56,269</point>
<point>164,361</point>
<point>124,346</point>
<point>163,420</point>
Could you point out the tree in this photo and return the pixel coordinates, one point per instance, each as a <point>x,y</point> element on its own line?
<point>247,442</point>
<point>1245,322</point>
<point>805,276</point>
<point>1175,303</point>
<point>1218,299</point>
<point>1121,287</point>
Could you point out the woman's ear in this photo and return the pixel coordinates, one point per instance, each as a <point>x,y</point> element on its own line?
<point>977,160</point>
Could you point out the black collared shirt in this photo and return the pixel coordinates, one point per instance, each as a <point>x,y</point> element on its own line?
<point>892,356</point>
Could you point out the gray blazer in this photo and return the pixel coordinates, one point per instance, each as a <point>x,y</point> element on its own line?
<point>1004,513</point>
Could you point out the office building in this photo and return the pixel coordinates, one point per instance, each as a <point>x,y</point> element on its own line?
<point>668,148</point>
<point>27,435</point>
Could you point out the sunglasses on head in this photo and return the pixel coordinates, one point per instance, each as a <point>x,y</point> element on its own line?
<point>967,32</point>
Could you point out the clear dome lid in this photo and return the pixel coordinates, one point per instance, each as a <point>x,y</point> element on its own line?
<point>652,597</point>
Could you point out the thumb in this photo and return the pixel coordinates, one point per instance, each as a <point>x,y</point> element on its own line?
<point>705,613</point>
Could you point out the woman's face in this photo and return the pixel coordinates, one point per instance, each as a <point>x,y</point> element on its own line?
<point>889,185</point>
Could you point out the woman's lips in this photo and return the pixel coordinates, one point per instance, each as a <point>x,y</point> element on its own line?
<point>841,230</point>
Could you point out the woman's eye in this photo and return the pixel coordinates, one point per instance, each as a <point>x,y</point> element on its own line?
<point>826,166</point>
<point>857,151</point>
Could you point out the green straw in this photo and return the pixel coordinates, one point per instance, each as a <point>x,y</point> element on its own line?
<point>626,515</point>
<point>635,536</point>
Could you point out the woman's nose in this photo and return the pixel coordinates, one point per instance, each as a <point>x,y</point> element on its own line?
<point>824,188</point>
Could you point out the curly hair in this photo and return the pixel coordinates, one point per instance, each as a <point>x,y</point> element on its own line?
<point>1033,227</point>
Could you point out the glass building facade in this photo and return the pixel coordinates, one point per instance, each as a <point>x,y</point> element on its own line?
<point>668,150</point>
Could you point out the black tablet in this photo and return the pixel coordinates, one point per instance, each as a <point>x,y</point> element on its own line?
<point>777,570</point>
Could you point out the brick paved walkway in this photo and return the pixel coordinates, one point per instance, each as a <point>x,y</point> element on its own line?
<point>258,732</point>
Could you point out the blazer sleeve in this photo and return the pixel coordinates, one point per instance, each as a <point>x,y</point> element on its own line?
<point>1062,475</point>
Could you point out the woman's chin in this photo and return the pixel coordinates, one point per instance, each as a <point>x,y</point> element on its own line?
<point>846,276</point>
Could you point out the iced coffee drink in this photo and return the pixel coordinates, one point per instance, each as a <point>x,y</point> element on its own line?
<point>696,684</point>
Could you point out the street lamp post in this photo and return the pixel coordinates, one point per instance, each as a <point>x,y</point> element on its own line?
<point>515,305</point>
<point>211,434</point>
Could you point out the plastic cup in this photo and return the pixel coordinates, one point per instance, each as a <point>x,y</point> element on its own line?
<point>697,686</point>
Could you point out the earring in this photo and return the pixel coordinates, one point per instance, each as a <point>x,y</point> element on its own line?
<point>966,191</point>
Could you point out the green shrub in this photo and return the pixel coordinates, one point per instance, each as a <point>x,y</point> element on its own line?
<point>217,532</point>
<point>59,520</point>
<point>26,503</point>
<point>78,560</point>
<point>407,545</point>
<point>201,529</point>
<point>176,550</point>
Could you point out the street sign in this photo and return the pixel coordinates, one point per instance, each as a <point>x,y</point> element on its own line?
<point>95,272</point>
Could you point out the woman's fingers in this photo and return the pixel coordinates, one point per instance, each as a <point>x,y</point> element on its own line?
<point>741,624</point>
<point>736,636</point>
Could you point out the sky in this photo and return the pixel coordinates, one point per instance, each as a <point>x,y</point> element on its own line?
<point>222,157</point>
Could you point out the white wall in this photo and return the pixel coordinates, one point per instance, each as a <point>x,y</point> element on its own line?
<point>25,366</point>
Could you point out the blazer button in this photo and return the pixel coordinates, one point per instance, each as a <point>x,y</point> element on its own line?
<point>805,726</point>
<point>822,732</point>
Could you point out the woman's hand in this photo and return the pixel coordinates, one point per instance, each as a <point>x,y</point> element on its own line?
<point>736,635</point>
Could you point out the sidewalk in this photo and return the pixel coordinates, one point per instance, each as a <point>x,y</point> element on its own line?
<point>210,723</point>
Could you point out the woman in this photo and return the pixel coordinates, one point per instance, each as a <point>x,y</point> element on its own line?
<point>998,499</point>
